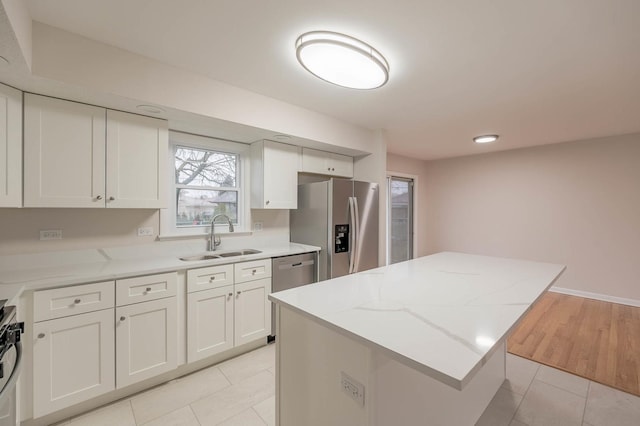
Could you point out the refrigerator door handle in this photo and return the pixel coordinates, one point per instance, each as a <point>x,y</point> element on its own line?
<point>353,242</point>
<point>356,236</point>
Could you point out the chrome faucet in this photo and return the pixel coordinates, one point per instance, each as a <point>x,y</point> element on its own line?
<point>214,240</point>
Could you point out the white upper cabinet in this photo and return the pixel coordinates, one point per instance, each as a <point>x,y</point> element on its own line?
<point>64,153</point>
<point>326,163</point>
<point>274,175</point>
<point>10,147</point>
<point>78,155</point>
<point>137,150</point>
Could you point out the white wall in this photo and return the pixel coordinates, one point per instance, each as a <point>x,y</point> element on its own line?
<point>101,228</point>
<point>77,61</point>
<point>574,203</point>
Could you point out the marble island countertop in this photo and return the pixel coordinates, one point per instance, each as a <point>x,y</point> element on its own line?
<point>443,315</point>
<point>54,269</point>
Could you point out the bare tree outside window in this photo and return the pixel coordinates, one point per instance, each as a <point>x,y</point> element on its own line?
<point>206,185</point>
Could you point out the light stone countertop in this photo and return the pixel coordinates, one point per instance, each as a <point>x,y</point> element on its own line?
<point>38,271</point>
<point>443,315</point>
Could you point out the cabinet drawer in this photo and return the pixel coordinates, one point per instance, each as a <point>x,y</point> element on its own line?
<point>208,278</point>
<point>149,287</point>
<point>66,301</point>
<point>249,271</point>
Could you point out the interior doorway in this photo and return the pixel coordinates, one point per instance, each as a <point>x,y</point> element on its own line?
<point>400,198</point>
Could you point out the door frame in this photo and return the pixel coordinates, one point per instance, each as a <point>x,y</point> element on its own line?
<point>414,214</point>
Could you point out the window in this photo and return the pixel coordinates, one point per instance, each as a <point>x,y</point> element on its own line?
<point>206,184</point>
<point>206,180</point>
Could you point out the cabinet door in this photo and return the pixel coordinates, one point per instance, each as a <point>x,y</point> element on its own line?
<point>252,311</point>
<point>146,340</point>
<point>274,175</point>
<point>341,165</point>
<point>209,322</point>
<point>137,151</point>
<point>64,153</point>
<point>10,147</point>
<point>73,360</point>
<point>314,161</point>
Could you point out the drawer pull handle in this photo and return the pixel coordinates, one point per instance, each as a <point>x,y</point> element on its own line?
<point>77,301</point>
<point>99,197</point>
<point>122,318</point>
<point>253,272</point>
<point>148,289</point>
<point>41,336</point>
<point>212,279</point>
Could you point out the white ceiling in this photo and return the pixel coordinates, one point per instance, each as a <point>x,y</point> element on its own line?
<point>535,72</point>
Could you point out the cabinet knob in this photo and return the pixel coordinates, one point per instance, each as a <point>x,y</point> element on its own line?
<point>122,318</point>
<point>230,294</point>
<point>99,197</point>
<point>333,169</point>
<point>41,336</point>
<point>212,278</point>
<point>77,301</point>
<point>253,272</point>
<point>267,202</point>
<point>112,198</point>
<point>148,289</point>
<point>238,293</point>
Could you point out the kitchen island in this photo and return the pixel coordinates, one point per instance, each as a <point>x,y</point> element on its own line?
<point>421,342</point>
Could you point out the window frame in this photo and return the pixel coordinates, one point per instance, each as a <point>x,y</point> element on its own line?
<point>168,227</point>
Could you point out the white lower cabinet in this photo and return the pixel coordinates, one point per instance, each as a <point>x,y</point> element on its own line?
<point>210,319</point>
<point>146,339</point>
<point>92,339</point>
<point>252,315</point>
<point>73,360</point>
<point>223,317</point>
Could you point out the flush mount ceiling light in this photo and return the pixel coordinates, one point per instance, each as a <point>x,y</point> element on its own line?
<point>485,138</point>
<point>342,60</point>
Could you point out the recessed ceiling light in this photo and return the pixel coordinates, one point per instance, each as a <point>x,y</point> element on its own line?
<point>485,138</point>
<point>151,109</point>
<point>342,60</point>
<point>282,137</point>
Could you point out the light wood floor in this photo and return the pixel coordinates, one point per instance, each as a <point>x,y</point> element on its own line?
<point>590,338</point>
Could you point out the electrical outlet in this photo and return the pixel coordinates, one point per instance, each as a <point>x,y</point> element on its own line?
<point>257,226</point>
<point>146,231</point>
<point>51,234</point>
<point>352,387</point>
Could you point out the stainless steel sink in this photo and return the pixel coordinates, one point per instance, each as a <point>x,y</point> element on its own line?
<point>239,253</point>
<point>220,255</point>
<point>200,257</point>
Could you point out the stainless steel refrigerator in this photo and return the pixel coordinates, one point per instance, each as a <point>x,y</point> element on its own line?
<point>341,217</point>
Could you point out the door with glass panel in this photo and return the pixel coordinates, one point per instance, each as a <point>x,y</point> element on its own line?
<point>400,214</point>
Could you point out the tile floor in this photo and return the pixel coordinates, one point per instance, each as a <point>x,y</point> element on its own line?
<point>240,392</point>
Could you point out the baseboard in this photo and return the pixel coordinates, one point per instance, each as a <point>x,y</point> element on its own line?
<point>597,296</point>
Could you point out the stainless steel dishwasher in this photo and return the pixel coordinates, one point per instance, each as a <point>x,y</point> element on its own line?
<point>289,272</point>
